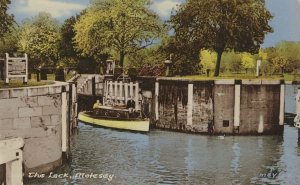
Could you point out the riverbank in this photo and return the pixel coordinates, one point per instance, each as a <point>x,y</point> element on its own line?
<point>241,76</point>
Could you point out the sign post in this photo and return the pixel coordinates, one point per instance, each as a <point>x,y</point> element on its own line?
<point>16,67</point>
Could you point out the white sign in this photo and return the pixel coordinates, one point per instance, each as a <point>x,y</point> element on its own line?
<point>16,67</point>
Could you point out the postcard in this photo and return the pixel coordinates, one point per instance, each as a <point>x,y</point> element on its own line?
<point>149,92</point>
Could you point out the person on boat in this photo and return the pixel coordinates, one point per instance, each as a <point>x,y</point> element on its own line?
<point>130,105</point>
<point>96,105</point>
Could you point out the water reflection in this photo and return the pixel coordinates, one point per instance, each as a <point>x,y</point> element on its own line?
<point>163,157</point>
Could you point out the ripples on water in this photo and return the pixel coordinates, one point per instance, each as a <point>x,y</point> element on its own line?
<point>163,157</point>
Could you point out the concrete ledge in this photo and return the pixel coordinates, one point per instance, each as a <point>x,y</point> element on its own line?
<point>288,82</point>
<point>15,93</point>
<point>292,82</point>
<point>55,89</point>
<point>271,82</point>
<point>225,82</point>
<point>251,82</point>
<point>34,90</point>
<point>178,79</point>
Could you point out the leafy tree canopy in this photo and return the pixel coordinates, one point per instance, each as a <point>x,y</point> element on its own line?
<point>40,38</point>
<point>222,25</point>
<point>248,61</point>
<point>208,60</point>
<point>117,26</point>
<point>6,20</point>
<point>9,43</point>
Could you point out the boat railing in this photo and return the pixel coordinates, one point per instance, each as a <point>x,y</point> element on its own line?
<point>119,92</point>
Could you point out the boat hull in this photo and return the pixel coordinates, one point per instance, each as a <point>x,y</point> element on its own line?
<point>132,125</point>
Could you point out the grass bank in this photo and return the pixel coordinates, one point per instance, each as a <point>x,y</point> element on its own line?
<point>32,82</point>
<point>286,77</point>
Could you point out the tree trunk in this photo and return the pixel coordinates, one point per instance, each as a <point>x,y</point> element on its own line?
<point>122,55</point>
<point>218,63</point>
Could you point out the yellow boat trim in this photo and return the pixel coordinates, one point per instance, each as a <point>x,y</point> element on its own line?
<point>134,125</point>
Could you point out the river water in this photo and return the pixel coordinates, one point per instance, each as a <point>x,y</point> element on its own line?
<point>163,157</point>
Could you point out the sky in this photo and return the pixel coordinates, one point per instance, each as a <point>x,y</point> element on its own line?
<point>285,23</point>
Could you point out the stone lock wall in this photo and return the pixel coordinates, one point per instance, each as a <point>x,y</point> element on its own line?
<point>220,106</point>
<point>35,114</point>
<point>172,105</point>
<point>260,105</point>
<point>183,108</point>
<point>224,107</point>
<point>202,109</point>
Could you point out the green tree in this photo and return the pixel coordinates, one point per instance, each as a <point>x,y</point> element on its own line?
<point>9,43</point>
<point>40,38</point>
<point>284,56</point>
<point>117,26</point>
<point>231,62</point>
<point>185,57</point>
<point>248,61</point>
<point>279,63</point>
<point>5,18</point>
<point>208,60</point>
<point>69,56</point>
<point>222,25</point>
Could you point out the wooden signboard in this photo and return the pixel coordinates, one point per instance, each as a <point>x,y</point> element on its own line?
<point>16,67</point>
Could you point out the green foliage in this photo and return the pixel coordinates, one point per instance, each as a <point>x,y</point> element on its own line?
<point>222,25</point>
<point>6,19</point>
<point>284,56</point>
<point>9,43</point>
<point>117,27</point>
<point>208,60</point>
<point>40,39</point>
<point>67,47</point>
<point>185,58</point>
<point>248,61</point>
<point>68,55</point>
<point>146,56</point>
<point>231,62</point>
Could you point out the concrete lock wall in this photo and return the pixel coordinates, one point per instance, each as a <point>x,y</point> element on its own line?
<point>220,107</point>
<point>260,108</point>
<point>37,114</point>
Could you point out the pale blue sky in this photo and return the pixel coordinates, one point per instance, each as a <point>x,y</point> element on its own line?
<point>286,22</point>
